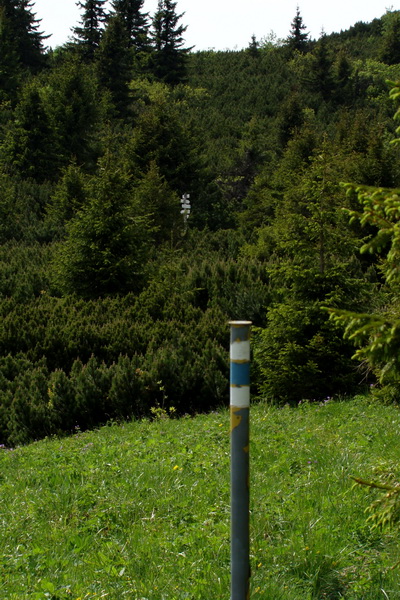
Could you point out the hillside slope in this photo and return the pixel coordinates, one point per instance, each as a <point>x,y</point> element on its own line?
<point>141,510</point>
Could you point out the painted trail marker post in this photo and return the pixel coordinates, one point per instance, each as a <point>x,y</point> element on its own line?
<point>240,490</point>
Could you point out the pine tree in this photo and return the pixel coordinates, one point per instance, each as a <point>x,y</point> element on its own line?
<point>135,21</point>
<point>298,38</point>
<point>88,36</point>
<point>169,56</point>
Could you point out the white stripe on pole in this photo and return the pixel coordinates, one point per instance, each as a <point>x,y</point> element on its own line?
<point>240,396</point>
<point>240,351</point>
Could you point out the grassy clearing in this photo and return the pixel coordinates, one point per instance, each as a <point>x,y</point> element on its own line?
<point>141,511</point>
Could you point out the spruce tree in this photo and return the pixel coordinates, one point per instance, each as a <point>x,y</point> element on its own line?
<point>135,21</point>
<point>319,78</point>
<point>88,36</point>
<point>76,106</point>
<point>30,148</point>
<point>107,242</point>
<point>23,38</point>
<point>376,332</point>
<point>298,38</point>
<point>311,261</point>
<point>169,55</point>
<point>115,63</point>
<point>254,47</point>
<point>161,137</point>
<point>342,69</point>
<point>161,204</point>
<point>9,63</point>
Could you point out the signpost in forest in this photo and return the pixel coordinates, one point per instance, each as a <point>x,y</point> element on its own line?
<point>185,202</point>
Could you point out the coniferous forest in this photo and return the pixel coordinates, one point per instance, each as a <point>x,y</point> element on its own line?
<point>112,301</point>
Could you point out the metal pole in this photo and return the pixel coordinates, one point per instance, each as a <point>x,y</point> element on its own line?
<point>240,492</point>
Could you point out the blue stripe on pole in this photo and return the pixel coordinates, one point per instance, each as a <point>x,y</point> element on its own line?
<point>240,373</point>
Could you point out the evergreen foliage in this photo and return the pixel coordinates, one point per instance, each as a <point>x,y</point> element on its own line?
<point>106,240</point>
<point>169,54</point>
<point>114,60</point>
<point>88,34</point>
<point>253,48</point>
<point>76,105</point>
<point>109,306</point>
<point>162,136</point>
<point>135,22</point>
<point>30,148</point>
<point>9,62</point>
<point>70,196</point>
<point>310,264</point>
<point>161,205</point>
<point>298,39</point>
<point>390,47</point>
<point>320,77</point>
<point>21,35</point>
<point>376,334</point>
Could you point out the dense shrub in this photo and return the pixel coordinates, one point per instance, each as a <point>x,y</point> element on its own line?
<point>70,362</point>
<point>23,270</point>
<point>35,403</point>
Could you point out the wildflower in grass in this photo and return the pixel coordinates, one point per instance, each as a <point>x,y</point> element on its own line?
<point>326,400</point>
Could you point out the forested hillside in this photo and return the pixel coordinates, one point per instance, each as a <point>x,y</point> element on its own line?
<point>112,301</point>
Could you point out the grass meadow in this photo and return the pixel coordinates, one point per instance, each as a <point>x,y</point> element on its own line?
<point>141,510</point>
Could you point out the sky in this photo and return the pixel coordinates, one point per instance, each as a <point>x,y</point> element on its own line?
<point>227,24</point>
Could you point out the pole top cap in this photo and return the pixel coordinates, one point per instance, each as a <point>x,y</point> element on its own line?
<point>240,323</point>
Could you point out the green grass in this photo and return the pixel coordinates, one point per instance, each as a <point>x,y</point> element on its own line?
<point>141,511</point>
